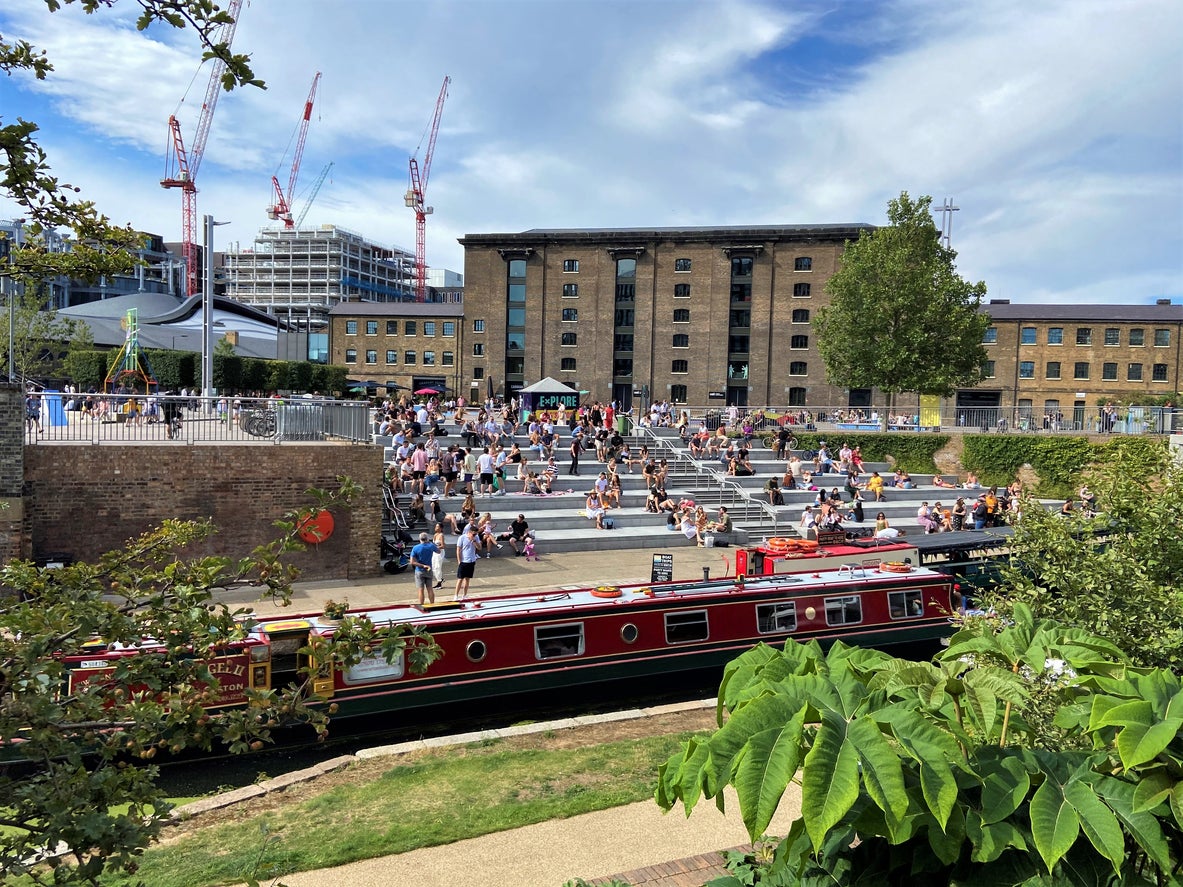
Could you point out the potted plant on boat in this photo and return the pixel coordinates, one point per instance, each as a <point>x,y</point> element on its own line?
<point>334,611</point>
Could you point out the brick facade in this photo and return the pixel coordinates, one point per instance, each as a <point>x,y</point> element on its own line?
<point>14,531</point>
<point>84,500</point>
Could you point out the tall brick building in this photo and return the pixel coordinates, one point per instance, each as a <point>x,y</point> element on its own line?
<point>692,315</point>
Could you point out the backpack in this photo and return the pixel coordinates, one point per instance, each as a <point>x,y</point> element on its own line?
<point>609,523</point>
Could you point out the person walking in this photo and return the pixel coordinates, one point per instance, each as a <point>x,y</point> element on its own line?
<point>466,558</point>
<point>576,449</point>
<point>421,556</point>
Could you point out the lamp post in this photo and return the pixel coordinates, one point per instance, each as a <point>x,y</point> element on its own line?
<point>207,312</point>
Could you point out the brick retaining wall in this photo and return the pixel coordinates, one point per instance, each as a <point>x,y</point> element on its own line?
<point>81,501</point>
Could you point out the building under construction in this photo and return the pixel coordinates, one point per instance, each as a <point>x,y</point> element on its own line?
<point>298,275</point>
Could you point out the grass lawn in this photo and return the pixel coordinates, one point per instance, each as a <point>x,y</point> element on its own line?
<point>381,807</point>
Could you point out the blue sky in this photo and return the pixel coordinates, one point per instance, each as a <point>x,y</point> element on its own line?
<point>1056,127</point>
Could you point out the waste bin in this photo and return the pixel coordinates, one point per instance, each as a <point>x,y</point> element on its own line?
<point>622,426</point>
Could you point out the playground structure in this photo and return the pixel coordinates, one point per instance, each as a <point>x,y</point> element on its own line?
<point>131,372</point>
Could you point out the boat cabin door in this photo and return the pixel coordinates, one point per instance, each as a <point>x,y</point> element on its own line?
<point>288,664</point>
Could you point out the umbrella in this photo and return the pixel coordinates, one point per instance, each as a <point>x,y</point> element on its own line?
<point>426,391</point>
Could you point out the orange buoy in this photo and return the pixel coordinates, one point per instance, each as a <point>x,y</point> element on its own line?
<point>895,567</point>
<point>606,591</point>
<point>778,544</point>
<point>316,527</point>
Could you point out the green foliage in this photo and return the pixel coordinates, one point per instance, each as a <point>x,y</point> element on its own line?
<point>78,791</point>
<point>86,369</point>
<point>910,450</point>
<point>1118,574</point>
<point>932,773</point>
<point>228,370</point>
<point>42,339</point>
<point>900,317</point>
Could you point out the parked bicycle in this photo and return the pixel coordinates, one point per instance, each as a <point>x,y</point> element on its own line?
<point>259,423</point>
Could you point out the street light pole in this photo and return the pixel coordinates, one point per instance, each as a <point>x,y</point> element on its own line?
<point>207,312</point>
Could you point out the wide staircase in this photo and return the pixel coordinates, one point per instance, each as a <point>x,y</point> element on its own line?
<point>561,523</point>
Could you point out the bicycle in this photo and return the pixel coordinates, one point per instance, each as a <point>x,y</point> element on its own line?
<point>259,423</point>
<point>770,443</point>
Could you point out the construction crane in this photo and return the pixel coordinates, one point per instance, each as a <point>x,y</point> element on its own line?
<point>320,180</point>
<point>181,167</point>
<point>416,195</point>
<point>282,208</point>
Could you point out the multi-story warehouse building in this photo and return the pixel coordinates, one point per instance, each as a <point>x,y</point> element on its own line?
<point>298,275</point>
<point>692,315</point>
<point>1068,360</point>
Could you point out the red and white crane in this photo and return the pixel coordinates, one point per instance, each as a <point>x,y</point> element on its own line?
<point>282,208</point>
<point>181,167</point>
<point>416,195</point>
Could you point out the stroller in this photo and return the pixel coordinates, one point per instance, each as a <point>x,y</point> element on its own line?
<point>395,554</point>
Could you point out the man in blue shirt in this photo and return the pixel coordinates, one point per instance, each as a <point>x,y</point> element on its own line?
<point>421,561</point>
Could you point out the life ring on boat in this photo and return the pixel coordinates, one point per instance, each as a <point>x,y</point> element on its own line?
<point>608,591</point>
<point>778,544</point>
<point>895,567</point>
<point>807,545</point>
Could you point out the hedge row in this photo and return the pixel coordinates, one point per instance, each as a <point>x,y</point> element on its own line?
<point>231,373</point>
<point>910,450</point>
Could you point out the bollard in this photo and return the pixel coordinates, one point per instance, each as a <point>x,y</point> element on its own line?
<point>706,574</point>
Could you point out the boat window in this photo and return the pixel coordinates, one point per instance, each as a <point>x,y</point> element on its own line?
<point>772,618</point>
<point>628,633</point>
<point>682,628</point>
<point>476,651</point>
<point>557,641</point>
<point>905,604</point>
<point>844,610</point>
<point>373,668</point>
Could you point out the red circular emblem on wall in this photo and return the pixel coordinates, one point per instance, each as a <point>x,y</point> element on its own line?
<point>316,527</point>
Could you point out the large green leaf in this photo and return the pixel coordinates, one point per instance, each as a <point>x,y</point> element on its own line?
<point>991,839</point>
<point>682,778</point>
<point>830,782</point>
<point>1004,786</point>
<point>883,774</point>
<point>1097,821</point>
<point>1154,787</point>
<point>762,772</point>
<point>1138,744</point>
<point>933,749</point>
<point>772,709</point>
<point>1137,711</point>
<point>1054,824</point>
<point>948,839</point>
<point>1144,828</point>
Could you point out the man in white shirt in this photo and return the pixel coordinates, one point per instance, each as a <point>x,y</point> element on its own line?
<point>485,469</point>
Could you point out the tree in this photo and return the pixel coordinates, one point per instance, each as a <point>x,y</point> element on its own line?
<point>931,773</point>
<point>900,318</point>
<point>78,791</point>
<point>99,247</point>
<point>1117,574</point>
<point>42,339</point>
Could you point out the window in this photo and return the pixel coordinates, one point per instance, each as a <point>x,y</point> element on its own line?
<point>905,604</point>
<point>449,328</point>
<point>681,340</point>
<point>478,326</point>
<point>624,317</point>
<point>392,327</point>
<point>429,327</point>
<point>681,315</point>
<point>1026,369</point>
<point>988,369</point>
<point>1053,369</point>
<point>478,372</point>
<point>680,366</point>
<point>798,368</point>
<point>1112,336</point>
<point>685,627</point>
<point>449,358</point>
<point>371,356</point>
<point>570,265</point>
<point>410,328</point>
<point>371,327</point>
<point>741,266</point>
<point>737,369</point>
<point>803,263</point>
<point>800,290</point>
<point>478,349</point>
<point>1055,335</point>
<point>626,268</point>
<point>1027,335</point>
<point>429,358</point>
<point>797,397</point>
<point>681,291</point>
<point>567,365</point>
<point>571,339</point>
<point>622,342</point>
<point>1134,372</point>
<point>844,610</point>
<point>681,264</point>
<point>990,336</point>
<point>738,344</point>
<point>351,355</point>
<point>351,327</point>
<point>622,366</point>
<point>1162,338</point>
<point>1137,337</point>
<point>678,393</point>
<point>1084,336</point>
<point>774,618</point>
<point>570,290</point>
<point>571,314</point>
<point>516,318</point>
<point>517,267</point>
<point>799,342</point>
<point>739,317</point>
<point>1159,372</point>
<point>557,641</point>
<point>392,356</point>
<point>741,292</point>
<point>409,358</point>
<point>1080,370</point>
<point>1109,372</point>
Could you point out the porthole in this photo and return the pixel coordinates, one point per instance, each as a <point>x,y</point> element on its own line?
<point>628,633</point>
<point>476,651</point>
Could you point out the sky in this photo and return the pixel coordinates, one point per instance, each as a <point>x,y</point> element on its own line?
<point>1055,127</point>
